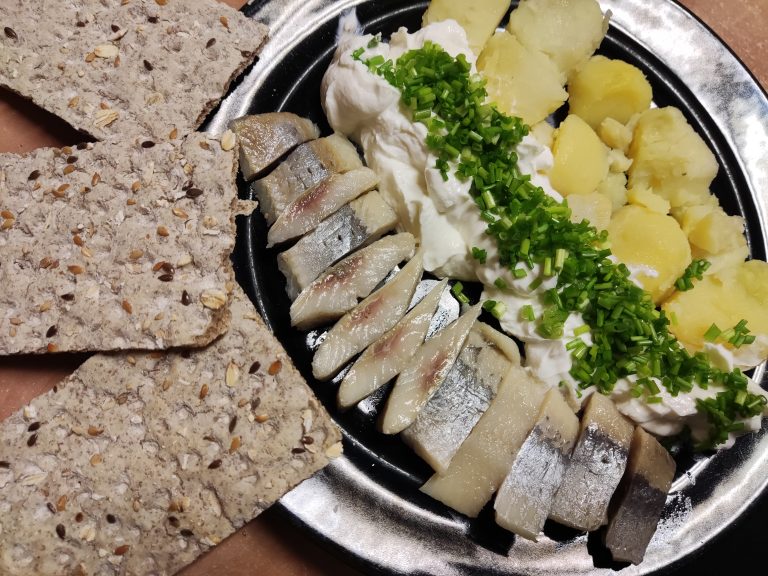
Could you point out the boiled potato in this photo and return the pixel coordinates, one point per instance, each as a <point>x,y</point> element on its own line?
<point>615,134</point>
<point>618,161</point>
<point>544,133</point>
<point>594,207</point>
<point>645,197</point>
<point>652,245</point>
<point>479,18</point>
<point>711,229</point>
<point>714,235</point>
<point>738,292</point>
<point>521,82</point>
<point>722,260</point>
<point>614,187</point>
<point>581,159</point>
<point>605,88</point>
<point>671,158</point>
<point>568,31</point>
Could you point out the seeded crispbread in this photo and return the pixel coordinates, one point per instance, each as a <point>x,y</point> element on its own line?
<point>116,245</point>
<point>138,464</point>
<point>116,67</point>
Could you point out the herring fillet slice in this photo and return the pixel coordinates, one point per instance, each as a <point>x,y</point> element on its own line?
<point>338,290</point>
<point>264,138</point>
<point>483,460</point>
<point>596,466</point>
<point>356,224</point>
<point>385,358</point>
<point>450,415</point>
<point>310,164</point>
<point>525,497</point>
<point>639,500</point>
<point>180,448</point>
<point>425,372</point>
<point>367,321</point>
<point>129,249</point>
<point>319,202</point>
<point>162,69</point>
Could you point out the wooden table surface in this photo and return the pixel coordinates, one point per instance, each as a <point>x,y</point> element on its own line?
<point>271,545</point>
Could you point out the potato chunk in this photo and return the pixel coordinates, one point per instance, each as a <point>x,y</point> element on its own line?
<point>605,88</point>
<point>614,187</point>
<point>711,229</point>
<point>671,158</point>
<point>615,134</point>
<point>521,82</point>
<point>594,207</point>
<point>581,159</point>
<point>479,18</point>
<point>740,291</point>
<point>714,235</point>
<point>568,31</point>
<point>652,245</point>
<point>645,197</point>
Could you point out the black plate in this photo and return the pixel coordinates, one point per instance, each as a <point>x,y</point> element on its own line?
<point>367,504</point>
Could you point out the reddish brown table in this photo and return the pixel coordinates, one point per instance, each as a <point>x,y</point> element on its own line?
<point>270,545</point>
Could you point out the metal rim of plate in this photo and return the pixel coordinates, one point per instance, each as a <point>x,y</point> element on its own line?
<point>357,504</point>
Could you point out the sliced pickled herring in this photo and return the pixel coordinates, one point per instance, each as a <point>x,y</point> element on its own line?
<point>319,202</point>
<point>525,497</point>
<point>483,460</point>
<point>264,138</point>
<point>639,500</point>
<point>447,419</point>
<point>597,463</point>
<point>357,224</point>
<point>425,372</point>
<point>385,358</point>
<point>340,289</point>
<point>308,165</point>
<point>367,321</point>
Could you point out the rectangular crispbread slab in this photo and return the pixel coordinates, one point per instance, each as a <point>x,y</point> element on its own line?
<point>122,67</point>
<point>138,464</point>
<point>116,245</point>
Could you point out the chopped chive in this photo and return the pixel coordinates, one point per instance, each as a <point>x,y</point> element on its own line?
<point>712,333</point>
<point>535,284</point>
<point>479,254</point>
<point>527,313</point>
<point>547,266</point>
<point>488,200</point>
<point>499,310</point>
<point>583,329</point>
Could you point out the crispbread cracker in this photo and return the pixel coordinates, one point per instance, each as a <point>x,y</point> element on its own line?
<point>116,245</point>
<point>137,465</point>
<point>115,67</point>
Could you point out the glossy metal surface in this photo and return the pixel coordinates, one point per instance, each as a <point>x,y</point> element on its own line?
<point>367,504</point>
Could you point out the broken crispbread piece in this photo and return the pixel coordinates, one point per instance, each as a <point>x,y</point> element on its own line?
<point>138,464</point>
<point>126,68</point>
<point>112,246</point>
